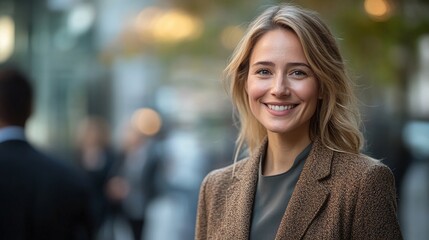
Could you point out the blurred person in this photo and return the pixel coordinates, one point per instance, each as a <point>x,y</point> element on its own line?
<point>41,198</point>
<point>95,156</point>
<point>132,185</point>
<point>306,177</point>
<point>172,214</point>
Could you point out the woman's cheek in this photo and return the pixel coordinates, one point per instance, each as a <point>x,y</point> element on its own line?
<point>305,91</point>
<point>256,89</point>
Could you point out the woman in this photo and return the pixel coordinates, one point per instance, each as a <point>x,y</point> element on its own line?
<point>305,177</point>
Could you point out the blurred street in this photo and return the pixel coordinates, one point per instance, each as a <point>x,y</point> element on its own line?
<point>129,91</point>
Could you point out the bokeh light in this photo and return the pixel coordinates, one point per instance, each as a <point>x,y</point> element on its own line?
<point>81,18</point>
<point>146,21</point>
<point>167,25</point>
<point>147,121</point>
<point>378,9</point>
<point>7,38</point>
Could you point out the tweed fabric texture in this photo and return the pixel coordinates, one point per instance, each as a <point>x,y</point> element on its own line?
<point>338,196</point>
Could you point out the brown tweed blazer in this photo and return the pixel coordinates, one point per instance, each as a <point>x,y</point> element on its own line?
<point>338,196</point>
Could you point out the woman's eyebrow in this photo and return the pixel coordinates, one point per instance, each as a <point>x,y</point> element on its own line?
<point>264,63</point>
<point>297,64</point>
<point>291,64</point>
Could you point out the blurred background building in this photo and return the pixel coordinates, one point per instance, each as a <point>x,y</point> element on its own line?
<point>157,65</point>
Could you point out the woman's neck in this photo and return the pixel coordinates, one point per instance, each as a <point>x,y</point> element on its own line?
<point>282,152</point>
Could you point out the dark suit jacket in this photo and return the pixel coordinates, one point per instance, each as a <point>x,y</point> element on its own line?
<point>338,196</point>
<point>41,198</point>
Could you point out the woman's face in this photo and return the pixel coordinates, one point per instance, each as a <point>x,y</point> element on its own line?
<point>281,87</point>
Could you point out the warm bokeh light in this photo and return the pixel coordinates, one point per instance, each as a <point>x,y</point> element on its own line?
<point>230,36</point>
<point>147,121</point>
<point>7,38</point>
<point>145,22</point>
<point>167,25</point>
<point>378,9</point>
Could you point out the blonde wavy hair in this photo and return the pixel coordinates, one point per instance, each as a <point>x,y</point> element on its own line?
<point>336,121</point>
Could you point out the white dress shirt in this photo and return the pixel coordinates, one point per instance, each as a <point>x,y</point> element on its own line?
<point>12,133</point>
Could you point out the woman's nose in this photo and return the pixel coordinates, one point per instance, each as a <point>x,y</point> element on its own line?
<point>280,87</point>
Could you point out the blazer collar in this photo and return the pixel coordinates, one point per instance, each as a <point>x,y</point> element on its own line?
<point>240,196</point>
<point>309,195</point>
<point>306,201</point>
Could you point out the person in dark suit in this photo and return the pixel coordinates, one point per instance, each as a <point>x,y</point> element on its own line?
<point>40,198</point>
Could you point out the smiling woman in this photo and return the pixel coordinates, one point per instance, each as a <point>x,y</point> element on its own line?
<point>282,91</point>
<point>305,177</point>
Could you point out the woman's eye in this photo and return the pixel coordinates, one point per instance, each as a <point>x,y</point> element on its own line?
<point>263,72</point>
<point>298,74</point>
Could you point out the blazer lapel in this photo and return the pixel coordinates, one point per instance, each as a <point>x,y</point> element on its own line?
<point>240,198</point>
<point>309,195</point>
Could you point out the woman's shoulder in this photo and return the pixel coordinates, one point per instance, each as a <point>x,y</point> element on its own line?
<point>357,160</point>
<point>224,175</point>
<point>357,165</point>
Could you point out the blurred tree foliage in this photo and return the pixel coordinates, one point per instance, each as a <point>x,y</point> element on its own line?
<point>379,52</point>
<point>383,50</point>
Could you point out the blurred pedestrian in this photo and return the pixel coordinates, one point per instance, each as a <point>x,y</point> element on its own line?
<point>41,198</point>
<point>133,183</point>
<point>95,157</point>
<point>305,177</point>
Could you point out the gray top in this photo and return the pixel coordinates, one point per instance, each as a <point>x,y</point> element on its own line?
<point>272,197</point>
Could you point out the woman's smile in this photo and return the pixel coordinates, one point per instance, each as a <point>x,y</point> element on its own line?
<point>280,109</point>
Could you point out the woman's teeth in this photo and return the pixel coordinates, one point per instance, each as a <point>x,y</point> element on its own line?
<point>280,107</point>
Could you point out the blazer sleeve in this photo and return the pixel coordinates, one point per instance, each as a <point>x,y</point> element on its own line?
<point>375,213</point>
<point>201,223</point>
